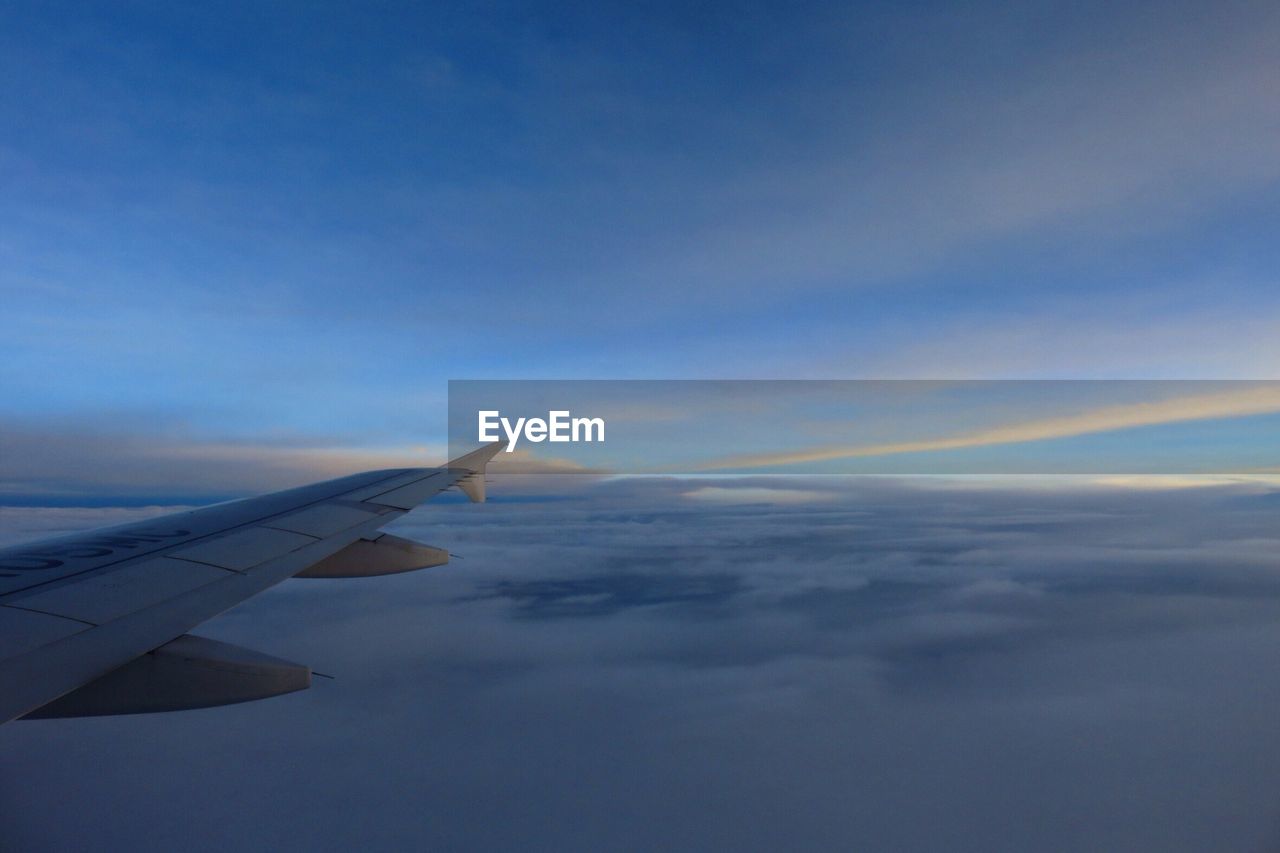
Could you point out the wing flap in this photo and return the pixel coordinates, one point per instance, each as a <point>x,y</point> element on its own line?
<point>321,521</point>
<point>244,549</point>
<point>408,496</point>
<point>117,593</point>
<point>386,485</point>
<point>23,630</point>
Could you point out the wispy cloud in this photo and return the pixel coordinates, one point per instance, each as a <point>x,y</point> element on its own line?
<point>1242,402</point>
<point>755,494</point>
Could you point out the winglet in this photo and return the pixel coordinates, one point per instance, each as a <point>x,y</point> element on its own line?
<point>473,463</point>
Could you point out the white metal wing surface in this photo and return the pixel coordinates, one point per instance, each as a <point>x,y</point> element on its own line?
<point>96,623</point>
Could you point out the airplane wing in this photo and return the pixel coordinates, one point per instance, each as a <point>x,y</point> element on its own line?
<point>96,623</point>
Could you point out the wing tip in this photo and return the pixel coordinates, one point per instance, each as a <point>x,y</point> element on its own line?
<point>472,485</point>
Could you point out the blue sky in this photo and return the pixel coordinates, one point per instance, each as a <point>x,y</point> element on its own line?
<point>247,245</point>
<point>289,225</point>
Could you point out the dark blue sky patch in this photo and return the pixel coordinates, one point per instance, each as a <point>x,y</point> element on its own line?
<point>607,595</point>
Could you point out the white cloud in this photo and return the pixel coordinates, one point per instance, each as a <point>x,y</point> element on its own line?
<point>754,494</point>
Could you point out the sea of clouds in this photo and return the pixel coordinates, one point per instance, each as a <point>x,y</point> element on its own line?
<point>734,663</point>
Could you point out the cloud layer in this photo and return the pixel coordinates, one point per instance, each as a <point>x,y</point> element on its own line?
<point>881,666</point>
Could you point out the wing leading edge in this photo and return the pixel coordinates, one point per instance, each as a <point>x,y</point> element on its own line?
<point>98,621</point>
